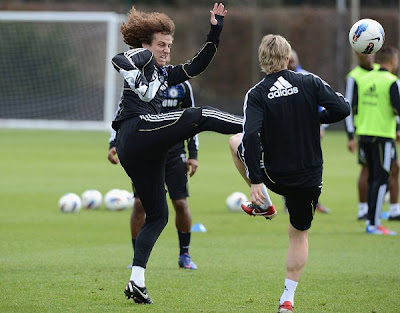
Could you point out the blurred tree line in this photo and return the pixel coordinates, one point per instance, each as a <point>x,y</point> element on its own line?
<point>262,2</point>
<point>123,4</point>
<point>230,2</point>
<point>319,34</point>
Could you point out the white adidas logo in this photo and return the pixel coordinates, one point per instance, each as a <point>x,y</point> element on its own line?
<point>282,88</point>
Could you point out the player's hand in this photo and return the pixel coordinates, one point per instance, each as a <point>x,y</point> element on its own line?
<point>398,136</point>
<point>219,9</point>
<point>112,156</point>
<point>192,166</point>
<point>256,195</point>
<point>352,145</point>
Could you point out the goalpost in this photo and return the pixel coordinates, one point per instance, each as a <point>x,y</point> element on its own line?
<point>56,71</point>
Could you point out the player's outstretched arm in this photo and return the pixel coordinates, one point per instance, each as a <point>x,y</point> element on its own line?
<point>219,9</point>
<point>202,59</point>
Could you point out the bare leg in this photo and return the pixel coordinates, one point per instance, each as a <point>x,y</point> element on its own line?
<point>297,253</point>
<point>295,261</point>
<point>183,218</point>
<point>234,142</point>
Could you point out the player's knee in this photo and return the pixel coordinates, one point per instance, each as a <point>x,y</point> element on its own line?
<point>162,217</point>
<point>180,205</point>
<point>157,215</point>
<point>193,114</point>
<point>234,141</point>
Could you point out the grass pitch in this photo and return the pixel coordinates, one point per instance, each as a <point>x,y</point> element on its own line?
<point>50,261</point>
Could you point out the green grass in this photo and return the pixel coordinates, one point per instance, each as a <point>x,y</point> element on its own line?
<point>50,261</point>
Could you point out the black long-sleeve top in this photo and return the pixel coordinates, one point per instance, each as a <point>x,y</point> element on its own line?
<point>282,119</point>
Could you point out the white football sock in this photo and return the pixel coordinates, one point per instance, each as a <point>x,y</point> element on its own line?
<point>288,292</point>
<point>394,209</point>
<point>362,208</point>
<point>137,275</point>
<point>267,200</point>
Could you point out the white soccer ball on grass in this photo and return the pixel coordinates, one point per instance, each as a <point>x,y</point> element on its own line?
<point>234,200</point>
<point>118,200</point>
<point>91,199</point>
<point>70,203</point>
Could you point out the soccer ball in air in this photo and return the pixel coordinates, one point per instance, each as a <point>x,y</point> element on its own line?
<point>234,200</point>
<point>366,36</point>
<point>118,200</point>
<point>91,199</point>
<point>70,203</point>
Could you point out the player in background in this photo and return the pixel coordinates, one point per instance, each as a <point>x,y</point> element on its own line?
<point>275,109</point>
<point>144,134</point>
<point>375,103</point>
<point>294,65</point>
<point>178,165</point>
<point>366,64</point>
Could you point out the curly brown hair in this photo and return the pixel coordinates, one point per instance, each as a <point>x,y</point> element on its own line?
<point>142,26</point>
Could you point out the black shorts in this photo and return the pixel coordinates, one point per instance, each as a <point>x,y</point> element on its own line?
<point>176,176</point>
<point>362,160</point>
<point>301,202</point>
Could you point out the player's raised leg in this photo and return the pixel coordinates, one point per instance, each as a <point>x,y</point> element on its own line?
<point>266,209</point>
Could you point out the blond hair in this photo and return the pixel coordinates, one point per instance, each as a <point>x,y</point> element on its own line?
<point>273,53</point>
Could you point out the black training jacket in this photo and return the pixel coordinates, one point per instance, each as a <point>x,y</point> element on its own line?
<point>281,118</point>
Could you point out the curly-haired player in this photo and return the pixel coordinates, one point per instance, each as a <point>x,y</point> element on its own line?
<point>144,135</point>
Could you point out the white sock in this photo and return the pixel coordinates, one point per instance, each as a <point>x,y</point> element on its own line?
<point>362,208</point>
<point>267,201</point>
<point>394,209</point>
<point>137,275</point>
<point>288,292</point>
